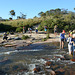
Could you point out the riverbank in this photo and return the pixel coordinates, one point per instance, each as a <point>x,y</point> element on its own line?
<point>15,39</point>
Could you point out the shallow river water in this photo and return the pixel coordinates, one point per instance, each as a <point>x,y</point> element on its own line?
<point>16,61</point>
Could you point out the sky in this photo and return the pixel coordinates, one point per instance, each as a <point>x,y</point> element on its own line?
<point>31,8</point>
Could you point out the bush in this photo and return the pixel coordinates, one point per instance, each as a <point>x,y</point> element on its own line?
<point>19,29</point>
<point>66,22</point>
<point>47,36</point>
<point>40,28</point>
<point>24,37</point>
<point>1,35</point>
<point>16,35</point>
<point>7,32</point>
<point>44,39</point>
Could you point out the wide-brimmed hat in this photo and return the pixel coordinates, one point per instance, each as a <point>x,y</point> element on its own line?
<point>73,31</point>
<point>73,35</point>
<point>36,28</point>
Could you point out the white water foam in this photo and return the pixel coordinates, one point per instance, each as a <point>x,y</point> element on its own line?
<point>8,52</point>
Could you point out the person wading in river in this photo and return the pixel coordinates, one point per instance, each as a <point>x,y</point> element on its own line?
<point>70,44</point>
<point>62,38</point>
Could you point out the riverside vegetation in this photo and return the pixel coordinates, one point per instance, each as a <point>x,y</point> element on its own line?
<point>64,20</point>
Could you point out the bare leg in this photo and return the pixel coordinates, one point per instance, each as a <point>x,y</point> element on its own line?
<point>55,34</point>
<point>69,48</point>
<point>62,44</point>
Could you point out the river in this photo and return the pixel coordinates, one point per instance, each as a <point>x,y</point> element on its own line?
<point>16,61</point>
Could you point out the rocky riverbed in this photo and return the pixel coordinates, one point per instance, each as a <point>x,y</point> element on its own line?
<point>34,56</point>
<point>36,59</point>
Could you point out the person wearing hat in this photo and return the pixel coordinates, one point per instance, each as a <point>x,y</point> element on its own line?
<point>73,41</point>
<point>73,35</point>
<point>70,44</point>
<point>36,30</point>
<point>5,36</point>
<point>62,37</point>
<point>45,28</point>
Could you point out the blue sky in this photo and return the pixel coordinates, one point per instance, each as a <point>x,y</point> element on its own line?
<point>32,7</point>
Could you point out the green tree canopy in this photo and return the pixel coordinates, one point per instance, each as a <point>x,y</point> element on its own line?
<point>12,13</point>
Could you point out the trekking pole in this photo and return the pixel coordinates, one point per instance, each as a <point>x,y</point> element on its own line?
<point>73,51</point>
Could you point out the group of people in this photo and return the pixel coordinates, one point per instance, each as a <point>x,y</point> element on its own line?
<point>70,40</point>
<point>45,29</point>
<point>30,30</point>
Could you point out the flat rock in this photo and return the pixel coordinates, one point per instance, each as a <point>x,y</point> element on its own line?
<point>10,45</point>
<point>67,57</point>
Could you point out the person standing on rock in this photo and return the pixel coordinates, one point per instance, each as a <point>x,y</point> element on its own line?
<point>30,30</point>
<point>23,30</point>
<point>45,28</point>
<point>5,36</point>
<point>36,30</point>
<point>73,44</point>
<point>70,44</point>
<point>55,30</point>
<point>62,38</point>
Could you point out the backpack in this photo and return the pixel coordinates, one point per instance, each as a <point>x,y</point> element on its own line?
<point>68,39</point>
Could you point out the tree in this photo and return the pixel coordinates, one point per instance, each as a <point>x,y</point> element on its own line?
<point>47,13</point>
<point>12,13</point>
<point>52,11</point>
<point>23,16</point>
<point>18,17</point>
<point>0,18</point>
<point>58,11</point>
<point>10,18</point>
<point>43,14</point>
<point>35,17</point>
<point>40,13</point>
<point>64,11</point>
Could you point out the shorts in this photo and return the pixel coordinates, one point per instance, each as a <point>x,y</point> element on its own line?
<point>55,31</point>
<point>62,40</point>
<point>36,31</point>
<point>70,48</point>
<point>45,29</point>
